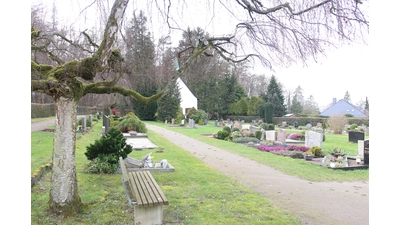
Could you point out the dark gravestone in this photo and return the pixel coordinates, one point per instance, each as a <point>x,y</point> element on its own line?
<point>354,136</point>
<point>106,123</point>
<point>104,120</point>
<point>366,152</point>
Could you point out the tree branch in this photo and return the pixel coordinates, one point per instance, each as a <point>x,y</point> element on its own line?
<point>245,4</point>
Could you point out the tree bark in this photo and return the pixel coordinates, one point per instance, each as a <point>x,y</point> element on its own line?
<point>64,198</point>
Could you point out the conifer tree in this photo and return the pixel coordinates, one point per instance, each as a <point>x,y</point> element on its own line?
<point>274,95</point>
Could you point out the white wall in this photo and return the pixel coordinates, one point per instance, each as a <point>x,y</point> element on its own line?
<point>188,100</point>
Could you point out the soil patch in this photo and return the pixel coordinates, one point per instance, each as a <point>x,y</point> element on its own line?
<point>207,135</point>
<point>48,130</point>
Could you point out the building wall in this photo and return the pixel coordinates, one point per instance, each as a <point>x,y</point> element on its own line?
<point>188,100</point>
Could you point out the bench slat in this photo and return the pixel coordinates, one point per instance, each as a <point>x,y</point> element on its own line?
<point>159,194</point>
<point>147,188</point>
<point>123,169</point>
<point>137,184</point>
<point>142,187</point>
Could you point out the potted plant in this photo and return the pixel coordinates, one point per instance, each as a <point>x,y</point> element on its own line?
<point>308,155</point>
<point>337,152</point>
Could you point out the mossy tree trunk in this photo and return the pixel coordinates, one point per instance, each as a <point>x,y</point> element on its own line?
<point>64,197</point>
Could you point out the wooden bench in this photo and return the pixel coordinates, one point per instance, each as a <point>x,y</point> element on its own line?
<point>144,194</point>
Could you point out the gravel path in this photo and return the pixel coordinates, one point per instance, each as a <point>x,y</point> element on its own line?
<point>315,203</point>
<point>41,125</point>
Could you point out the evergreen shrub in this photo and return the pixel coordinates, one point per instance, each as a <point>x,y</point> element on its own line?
<point>353,126</point>
<point>222,134</point>
<point>316,151</point>
<point>226,128</point>
<point>235,129</point>
<point>258,134</point>
<point>107,150</point>
<point>102,164</point>
<point>245,139</point>
<point>132,123</point>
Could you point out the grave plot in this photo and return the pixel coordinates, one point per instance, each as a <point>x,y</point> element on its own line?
<point>139,141</point>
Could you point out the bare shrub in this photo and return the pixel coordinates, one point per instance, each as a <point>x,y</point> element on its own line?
<point>337,122</point>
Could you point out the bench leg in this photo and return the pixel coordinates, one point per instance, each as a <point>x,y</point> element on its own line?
<point>148,215</point>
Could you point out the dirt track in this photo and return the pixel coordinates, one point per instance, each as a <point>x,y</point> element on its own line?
<point>327,203</point>
<point>37,126</point>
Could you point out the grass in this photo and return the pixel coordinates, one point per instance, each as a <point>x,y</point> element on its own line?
<point>41,119</point>
<point>294,167</point>
<point>197,193</point>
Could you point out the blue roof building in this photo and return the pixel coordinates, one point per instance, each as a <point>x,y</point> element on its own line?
<point>343,107</point>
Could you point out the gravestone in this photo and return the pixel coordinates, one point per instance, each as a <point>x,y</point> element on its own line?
<point>83,123</point>
<point>183,122</point>
<point>216,123</point>
<point>104,120</point>
<point>238,125</point>
<point>246,126</point>
<point>319,131</point>
<point>284,124</point>
<point>281,137</point>
<point>355,136</point>
<point>90,119</point>
<point>173,121</point>
<point>166,122</point>
<point>270,135</point>
<point>253,129</point>
<point>106,123</point>
<point>308,126</point>
<point>360,148</point>
<point>313,139</point>
<point>366,152</point>
<point>319,125</point>
<point>191,123</point>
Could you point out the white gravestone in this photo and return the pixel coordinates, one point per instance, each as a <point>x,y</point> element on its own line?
<point>361,148</point>
<point>281,137</point>
<point>313,139</point>
<point>270,135</point>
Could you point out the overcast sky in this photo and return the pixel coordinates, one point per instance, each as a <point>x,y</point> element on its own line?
<point>342,70</point>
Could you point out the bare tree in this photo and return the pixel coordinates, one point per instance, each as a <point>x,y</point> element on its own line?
<point>281,33</point>
<point>337,122</point>
<point>275,32</point>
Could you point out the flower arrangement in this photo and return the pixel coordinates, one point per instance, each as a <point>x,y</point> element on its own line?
<point>268,148</point>
<point>338,152</point>
<point>293,136</point>
<point>308,153</point>
<point>335,161</point>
